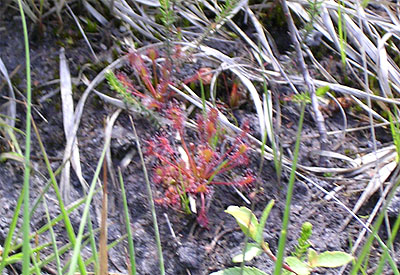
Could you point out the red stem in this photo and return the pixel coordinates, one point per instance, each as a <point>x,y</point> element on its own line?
<point>227,166</point>
<point>272,257</point>
<point>176,166</point>
<point>189,155</point>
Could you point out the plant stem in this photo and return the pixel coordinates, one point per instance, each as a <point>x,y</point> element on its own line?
<point>151,201</point>
<point>286,215</point>
<point>131,247</point>
<point>26,250</point>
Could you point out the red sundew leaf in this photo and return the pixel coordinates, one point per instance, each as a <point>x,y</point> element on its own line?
<point>137,63</point>
<point>178,52</point>
<point>205,74</point>
<point>172,197</point>
<point>152,53</point>
<point>151,145</point>
<point>151,103</point>
<point>234,96</point>
<point>202,189</point>
<point>246,181</point>
<point>147,82</point>
<point>207,155</point>
<point>208,126</point>
<point>162,89</point>
<point>128,85</point>
<point>201,126</point>
<point>157,179</point>
<point>239,159</point>
<point>160,201</point>
<point>213,115</point>
<point>210,129</point>
<point>243,148</point>
<point>123,78</point>
<point>165,145</point>
<point>175,114</point>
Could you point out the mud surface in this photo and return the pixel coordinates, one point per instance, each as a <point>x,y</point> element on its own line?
<point>190,249</point>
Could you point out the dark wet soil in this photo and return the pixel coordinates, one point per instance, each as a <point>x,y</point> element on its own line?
<point>190,249</point>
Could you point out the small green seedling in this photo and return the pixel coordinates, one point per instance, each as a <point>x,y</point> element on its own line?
<point>254,229</point>
<point>395,130</point>
<point>303,260</point>
<point>305,97</point>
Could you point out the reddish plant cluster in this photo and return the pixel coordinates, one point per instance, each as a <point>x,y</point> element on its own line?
<point>192,170</point>
<point>185,171</point>
<point>155,83</point>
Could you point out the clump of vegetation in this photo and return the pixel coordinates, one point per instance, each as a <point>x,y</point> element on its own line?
<point>303,260</point>
<point>158,93</point>
<point>189,170</point>
<point>153,91</point>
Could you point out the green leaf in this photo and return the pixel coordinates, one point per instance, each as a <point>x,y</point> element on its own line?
<point>252,250</point>
<point>11,155</point>
<point>333,259</point>
<point>321,91</point>
<point>301,268</point>
<point>246,219</point>
<point>302,98</point>
<point>18,257</point>
<point>263,220</point>
<point>13,259</point>
<point>312,257</point>
<point>237,271</point>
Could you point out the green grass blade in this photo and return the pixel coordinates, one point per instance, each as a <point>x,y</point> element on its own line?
<point>342,34</point>
<point>53,238</point>
<point>286,215</point>
<point>263,220</point>
<point>11,231</point>
<point>52,256</point>
<point>109,246</point>
<point>385,254</point>
<point>131,247</point>
<point>53,222</point>
<point>26,221</point>
<point>77,246</point>
<point>67,221</point>
<point>10,132</point>
<point>93,246</point>
<point>61,251</point>
<point>151,202</point>
<point>36,268</point>
<point>365,252</point>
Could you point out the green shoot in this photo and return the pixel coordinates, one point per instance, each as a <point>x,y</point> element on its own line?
<point>167,14</point>
<point>151,201</point>
<point>26,249</point>
<point>395,130</point>
<point>286,215</point>
<point>77,246</point>
<point>53,238</point>
<point>298,264</point>
<point>303,243</point>
<point>131,249</point>
<point>342,34</point>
